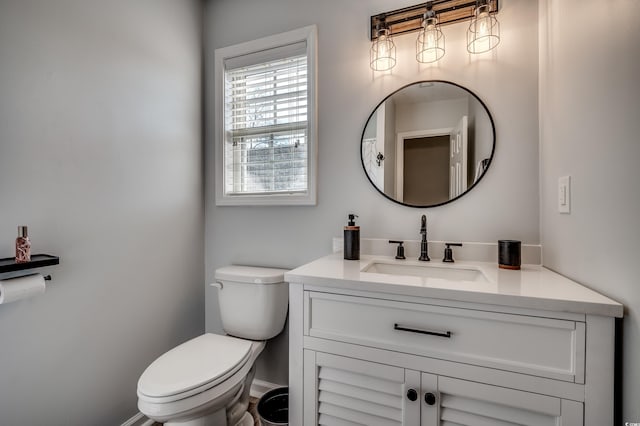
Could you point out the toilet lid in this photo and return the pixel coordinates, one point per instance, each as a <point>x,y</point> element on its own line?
<point>207,359</point>
<point>250,274</point>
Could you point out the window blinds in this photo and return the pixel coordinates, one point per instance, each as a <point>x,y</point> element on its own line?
<point>266,128</point>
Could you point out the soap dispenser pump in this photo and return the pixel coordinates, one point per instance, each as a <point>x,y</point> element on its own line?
<point>352,239</point>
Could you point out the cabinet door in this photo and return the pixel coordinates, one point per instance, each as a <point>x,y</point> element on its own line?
<point>459,402</point>
<point>341,391</point>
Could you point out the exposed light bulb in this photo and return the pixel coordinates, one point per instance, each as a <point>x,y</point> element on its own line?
<point>383,51</point>
<point>484,31</point>
<point>383,46</point>
<point>430,42</point>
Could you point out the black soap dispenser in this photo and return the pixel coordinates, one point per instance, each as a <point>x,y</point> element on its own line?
<point>352,239</point>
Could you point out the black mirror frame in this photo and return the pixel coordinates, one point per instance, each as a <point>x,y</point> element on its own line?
<point>493,147</point>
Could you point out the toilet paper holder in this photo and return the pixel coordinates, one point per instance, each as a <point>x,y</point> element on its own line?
<point>22,287</point>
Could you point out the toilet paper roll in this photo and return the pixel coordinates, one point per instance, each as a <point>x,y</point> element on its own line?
<point>20,288</point>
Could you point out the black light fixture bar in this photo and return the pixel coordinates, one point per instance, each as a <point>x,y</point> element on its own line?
<point>409,19</point>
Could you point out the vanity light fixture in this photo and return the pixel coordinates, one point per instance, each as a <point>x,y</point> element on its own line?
<point>430,42</point>
<point>483,33</point>
<point>383,49</point>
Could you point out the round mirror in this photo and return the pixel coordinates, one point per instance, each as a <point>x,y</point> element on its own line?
<point>428,143</point>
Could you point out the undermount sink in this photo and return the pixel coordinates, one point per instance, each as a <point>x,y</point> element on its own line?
<point>427,270</point>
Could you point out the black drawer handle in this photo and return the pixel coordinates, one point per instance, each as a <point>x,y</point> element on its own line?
<point>400,327</point>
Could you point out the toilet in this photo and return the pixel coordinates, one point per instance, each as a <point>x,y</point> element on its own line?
<point>206,380</point>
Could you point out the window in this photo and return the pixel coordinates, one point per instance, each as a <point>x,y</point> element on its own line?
<point>266,121</point>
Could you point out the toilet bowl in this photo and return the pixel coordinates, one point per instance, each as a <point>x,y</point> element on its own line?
<point>206,380</point>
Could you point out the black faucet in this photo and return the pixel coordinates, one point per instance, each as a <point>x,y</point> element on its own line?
<point>424,245</point>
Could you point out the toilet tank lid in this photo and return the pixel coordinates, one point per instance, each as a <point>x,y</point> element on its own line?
<point>250,274</point>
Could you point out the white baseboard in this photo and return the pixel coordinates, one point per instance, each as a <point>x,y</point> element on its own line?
<point>138,420</point>
<point>260,387</point>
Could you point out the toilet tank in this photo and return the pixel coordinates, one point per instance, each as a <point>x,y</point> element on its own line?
<point>253,301</point>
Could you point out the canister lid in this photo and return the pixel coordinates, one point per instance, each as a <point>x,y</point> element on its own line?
<point>250,274</point>
<point>22,231</point>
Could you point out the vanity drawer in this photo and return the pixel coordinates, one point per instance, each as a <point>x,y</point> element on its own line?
<point>542,347</point>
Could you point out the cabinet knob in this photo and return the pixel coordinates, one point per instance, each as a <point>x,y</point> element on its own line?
<point>429,398</point>
<point>412,394</point>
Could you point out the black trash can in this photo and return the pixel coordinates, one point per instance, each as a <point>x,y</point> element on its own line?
<point>273,407</point>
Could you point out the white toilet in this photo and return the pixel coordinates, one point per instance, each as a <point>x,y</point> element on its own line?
<point>206,381</point>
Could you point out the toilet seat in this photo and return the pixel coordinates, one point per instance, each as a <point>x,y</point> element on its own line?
<point>193,367</point>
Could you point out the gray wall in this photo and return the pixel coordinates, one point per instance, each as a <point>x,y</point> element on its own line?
<point>590,129</point>
<point>506,79</point>
<point>100,155</point>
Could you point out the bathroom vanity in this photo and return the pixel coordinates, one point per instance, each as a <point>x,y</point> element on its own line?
<point>381,341</point>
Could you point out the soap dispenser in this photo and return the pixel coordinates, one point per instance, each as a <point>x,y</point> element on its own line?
<point>352,239</point>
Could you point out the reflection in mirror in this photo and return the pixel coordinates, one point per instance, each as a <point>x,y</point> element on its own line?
<point>427,143</point>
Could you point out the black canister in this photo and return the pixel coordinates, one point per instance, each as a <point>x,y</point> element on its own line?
<point>273,407</point>
<point>352,239</point>
<point>509,254</point>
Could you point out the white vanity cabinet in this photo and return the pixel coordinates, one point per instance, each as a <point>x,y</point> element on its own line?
<point>382,353</point>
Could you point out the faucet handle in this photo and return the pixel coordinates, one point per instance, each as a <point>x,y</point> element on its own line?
<point>400,250</point>
<point>448,252</point>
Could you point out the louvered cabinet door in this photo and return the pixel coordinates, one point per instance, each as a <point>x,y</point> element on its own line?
<point>463,403</point>
<point>342,391</point>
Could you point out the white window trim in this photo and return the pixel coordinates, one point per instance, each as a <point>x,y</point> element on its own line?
<point>310,35</point>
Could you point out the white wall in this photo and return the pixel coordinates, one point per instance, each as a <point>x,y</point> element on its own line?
<point>389,162</point>
<point>378,174</point>
<point>431,115</point>
<point>504,205</point>
<point>590,129</point>
<point>100,155</point>
<point>482,131</point>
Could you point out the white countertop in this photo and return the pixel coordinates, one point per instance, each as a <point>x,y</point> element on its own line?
<point>533,286</point>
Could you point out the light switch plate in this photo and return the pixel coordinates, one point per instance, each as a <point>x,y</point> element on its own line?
<point>564,194</point>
